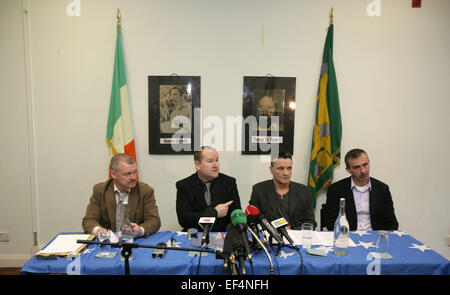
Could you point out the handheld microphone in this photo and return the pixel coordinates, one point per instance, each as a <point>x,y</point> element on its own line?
<point>239,220</point>
<point>252,210</point>
<point>207,223</point>
<point>280,223</point>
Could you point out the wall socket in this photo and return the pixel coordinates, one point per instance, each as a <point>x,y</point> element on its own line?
<point>4,237</point>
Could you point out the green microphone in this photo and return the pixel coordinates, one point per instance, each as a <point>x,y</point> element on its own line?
<point>238,217</point>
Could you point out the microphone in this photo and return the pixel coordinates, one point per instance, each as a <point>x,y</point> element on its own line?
<point>256,228</point>
<point>239,220</point>
<point>234,244</point>
<point>280,223</point>
<point>252,227</point>
<point>207,223</point>
<point>255,236</point>
<point>252,210</point>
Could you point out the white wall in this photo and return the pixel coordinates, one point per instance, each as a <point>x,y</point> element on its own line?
<point>392,72</point>
<point>15,185</point>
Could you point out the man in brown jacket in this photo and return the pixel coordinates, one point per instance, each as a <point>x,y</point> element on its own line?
<point>101,212</point>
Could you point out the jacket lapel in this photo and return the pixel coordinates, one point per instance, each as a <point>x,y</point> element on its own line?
<point>110,200</point>
<point>292,200</point>
<point>372,199</point>
<point>271,196</point>
<point>197,189</point>
<point>133,201</point>
<point>350,204</point>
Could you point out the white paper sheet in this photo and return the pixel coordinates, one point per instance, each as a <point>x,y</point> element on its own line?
<point>324,238</point>
<point>64,244</point>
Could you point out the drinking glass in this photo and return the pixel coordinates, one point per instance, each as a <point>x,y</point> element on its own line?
<point>307,235</point>
<point>382,241</point>
<point>103,236</point>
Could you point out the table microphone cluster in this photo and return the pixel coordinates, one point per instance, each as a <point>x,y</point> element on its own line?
<point>237,245</point>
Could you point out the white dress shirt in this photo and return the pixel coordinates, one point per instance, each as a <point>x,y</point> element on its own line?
<point>362,205</point>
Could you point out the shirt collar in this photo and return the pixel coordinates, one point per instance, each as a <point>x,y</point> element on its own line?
<point>353,185</point>
<point>117,190</point>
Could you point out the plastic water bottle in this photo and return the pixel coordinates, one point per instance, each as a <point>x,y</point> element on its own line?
<point>341,231</point>
<point>126,230</point>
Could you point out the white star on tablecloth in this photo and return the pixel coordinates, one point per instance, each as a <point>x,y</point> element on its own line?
<point>420,247</point>
<point>285,255</point>
<point>365,245</point>
<point>181,233</point>
<point>399,233</point>
<point>361,232</point>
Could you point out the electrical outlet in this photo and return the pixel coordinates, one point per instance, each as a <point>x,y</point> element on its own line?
<point>4,237</point>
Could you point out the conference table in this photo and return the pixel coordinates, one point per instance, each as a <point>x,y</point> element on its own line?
<point>409,257</point>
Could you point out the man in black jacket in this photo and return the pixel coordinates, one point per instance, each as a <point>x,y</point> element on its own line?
<point>281,197</point>
<point>207,188</point>
<point>368,201</point>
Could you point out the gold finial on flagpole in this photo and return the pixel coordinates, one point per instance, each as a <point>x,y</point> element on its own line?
<point>118,19</point>
<point>331,16</point>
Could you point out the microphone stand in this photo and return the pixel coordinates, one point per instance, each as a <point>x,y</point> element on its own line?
<point>126,250</point>
<point>255,236</point>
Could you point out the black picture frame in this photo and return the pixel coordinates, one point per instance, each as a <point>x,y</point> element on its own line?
<point>173,114</point>
<point>268,115</point>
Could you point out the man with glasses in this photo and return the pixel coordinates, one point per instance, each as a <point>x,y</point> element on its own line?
<point>102,212</point>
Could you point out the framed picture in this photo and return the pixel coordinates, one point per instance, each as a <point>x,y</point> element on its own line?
<point>268,114</point>
<point>173,107</point>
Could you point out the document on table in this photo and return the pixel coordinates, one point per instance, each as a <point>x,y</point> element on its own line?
<point>65,244</point>
<point>324,238</point>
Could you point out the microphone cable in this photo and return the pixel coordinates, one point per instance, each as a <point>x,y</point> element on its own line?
<point>200,258</point>
<point>265,250</point>
<point>299,253</point>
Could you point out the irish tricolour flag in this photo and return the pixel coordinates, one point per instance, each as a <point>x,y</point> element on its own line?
<point>119,133</point>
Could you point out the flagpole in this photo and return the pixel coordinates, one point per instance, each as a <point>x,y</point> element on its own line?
<point>331,16</point>
<point>118,19</point>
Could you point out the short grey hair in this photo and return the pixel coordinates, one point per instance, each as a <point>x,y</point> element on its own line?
<point>115,161</point>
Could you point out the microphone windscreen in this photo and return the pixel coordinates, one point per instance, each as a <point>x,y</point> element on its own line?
<point>251,210</point>
<point>210,212</point>
<point>238,217</point>
<point>232,240</point>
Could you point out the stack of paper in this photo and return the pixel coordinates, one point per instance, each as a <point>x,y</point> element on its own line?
<point>65,244</point>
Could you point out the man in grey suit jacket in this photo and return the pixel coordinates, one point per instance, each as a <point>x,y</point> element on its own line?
<point>281,197</point>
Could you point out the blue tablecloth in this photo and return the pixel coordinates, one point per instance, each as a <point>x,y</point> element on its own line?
<point>410,257</point>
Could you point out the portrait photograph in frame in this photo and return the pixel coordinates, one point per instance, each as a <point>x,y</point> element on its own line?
<point>173,103</point>
<point>268,115</point>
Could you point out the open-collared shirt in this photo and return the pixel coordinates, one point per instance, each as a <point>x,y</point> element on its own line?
<point>361,196</point>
